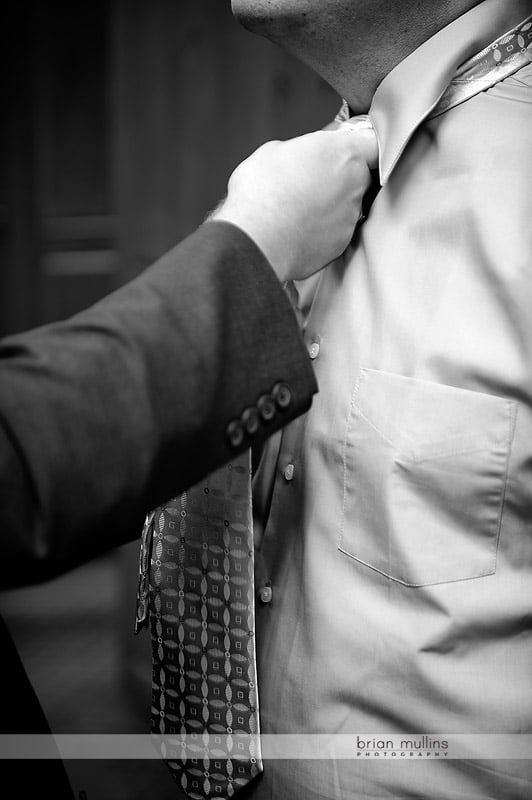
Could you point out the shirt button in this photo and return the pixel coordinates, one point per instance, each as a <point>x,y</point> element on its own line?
<point>289,472</point>
<point>282,395</point>
<point>314,350</point>
<point>266,594</point>
<point>235,433</point>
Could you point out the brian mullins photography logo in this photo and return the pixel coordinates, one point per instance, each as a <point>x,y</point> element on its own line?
<point>398,747</point>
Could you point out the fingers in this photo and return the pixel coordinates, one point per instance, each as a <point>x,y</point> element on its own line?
<point>366,138</point>
<point>358,123</point>
<point>300,199</point>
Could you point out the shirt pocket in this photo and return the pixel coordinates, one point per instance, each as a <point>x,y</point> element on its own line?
<point>425,470</point>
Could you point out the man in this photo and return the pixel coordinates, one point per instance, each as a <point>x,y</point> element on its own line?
<point>397,547</point>
<point>130,401</point>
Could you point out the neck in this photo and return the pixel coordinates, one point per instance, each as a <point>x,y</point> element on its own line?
<point>355,46</point>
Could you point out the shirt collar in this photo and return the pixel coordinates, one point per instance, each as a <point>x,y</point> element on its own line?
<point>398,109</point>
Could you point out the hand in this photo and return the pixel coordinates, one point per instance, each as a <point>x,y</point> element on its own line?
<point>300,199</point>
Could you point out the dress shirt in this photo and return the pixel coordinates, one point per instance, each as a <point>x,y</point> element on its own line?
<point>396,535</point>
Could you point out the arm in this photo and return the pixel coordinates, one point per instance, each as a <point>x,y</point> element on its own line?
<point>129,402</point>
<point>138,397</point>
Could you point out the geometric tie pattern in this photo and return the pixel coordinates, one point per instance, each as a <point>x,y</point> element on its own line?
<point>201,604</point>
<point>497,61</point>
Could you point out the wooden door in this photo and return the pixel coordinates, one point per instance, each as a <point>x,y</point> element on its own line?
<point>58,227</point>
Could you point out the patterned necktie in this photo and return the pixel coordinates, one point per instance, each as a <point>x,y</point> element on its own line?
<point>497,61</point>
<point>199,580</point>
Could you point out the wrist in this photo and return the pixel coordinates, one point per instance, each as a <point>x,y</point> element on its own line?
<point>262,230</point>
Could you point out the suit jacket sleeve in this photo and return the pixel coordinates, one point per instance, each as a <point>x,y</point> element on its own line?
<point>126,404</point>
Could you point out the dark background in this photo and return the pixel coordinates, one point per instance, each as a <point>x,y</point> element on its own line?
<point>122,121</point>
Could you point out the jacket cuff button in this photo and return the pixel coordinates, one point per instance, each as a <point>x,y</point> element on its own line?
<point>282,395</point>
<point>251,420</point>
<point>235,433</point>
<point>266,407</point>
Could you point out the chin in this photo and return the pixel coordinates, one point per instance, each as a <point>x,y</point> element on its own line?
<point>271,18</point>
<point>250,13</point>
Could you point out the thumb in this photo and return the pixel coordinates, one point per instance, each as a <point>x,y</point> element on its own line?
<point>362,128</point>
